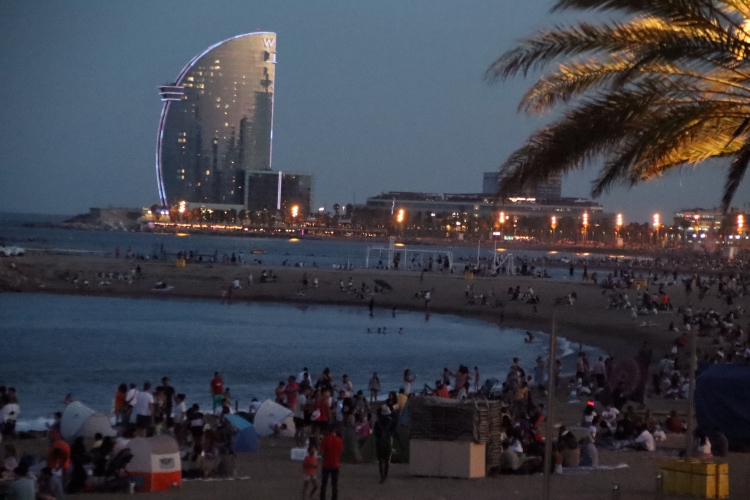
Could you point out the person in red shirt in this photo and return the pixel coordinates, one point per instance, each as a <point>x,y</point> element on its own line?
<point>217,390</point>
<point>331,450</point>
<point>321,413</point>
<point>291,390</point>
<point>310,471</point>
<point>440,390</point>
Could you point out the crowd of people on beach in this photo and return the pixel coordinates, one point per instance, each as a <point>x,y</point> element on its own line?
<point>336,419</point>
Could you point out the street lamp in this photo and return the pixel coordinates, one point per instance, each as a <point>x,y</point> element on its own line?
<point>656,228</point>
<point>400,216</point>
<point>740,226</point>
<point>553,223</point>
<point>585,221</point>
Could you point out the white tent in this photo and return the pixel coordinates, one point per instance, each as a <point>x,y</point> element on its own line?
<point>268,414</point>
<point>78,420</point>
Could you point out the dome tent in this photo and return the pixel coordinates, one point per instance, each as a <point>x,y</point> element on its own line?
<point>270,414</point>
<point>245,439</point>
<point>78,420</point>
<point>722,401</point>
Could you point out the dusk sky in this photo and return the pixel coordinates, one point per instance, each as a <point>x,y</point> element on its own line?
<point>371,96</point>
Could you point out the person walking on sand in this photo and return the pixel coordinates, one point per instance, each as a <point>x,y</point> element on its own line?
<point>331,448</point>
<point>310,471</point>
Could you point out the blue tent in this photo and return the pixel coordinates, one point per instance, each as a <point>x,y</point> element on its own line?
<point>722,400</point>
<point>246,439</point>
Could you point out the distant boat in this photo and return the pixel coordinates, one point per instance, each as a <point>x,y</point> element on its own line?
<point>258,251</point>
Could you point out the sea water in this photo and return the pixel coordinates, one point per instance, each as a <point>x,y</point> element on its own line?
<point>53,345</point>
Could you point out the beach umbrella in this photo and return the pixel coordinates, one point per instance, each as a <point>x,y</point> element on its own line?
<point>384,284</point>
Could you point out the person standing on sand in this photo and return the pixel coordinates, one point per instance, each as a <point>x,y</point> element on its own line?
<point>371,306</point>
<point>384,429</point>
<point>374,387</point>
<point>331,448</point>
<point>477,379</point>
<point>217,390</point>
<point>143,409</point>
<point>408,379</point>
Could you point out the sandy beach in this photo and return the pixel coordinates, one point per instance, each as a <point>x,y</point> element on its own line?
<point>273,476</point>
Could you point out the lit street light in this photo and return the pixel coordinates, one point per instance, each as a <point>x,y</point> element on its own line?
<point>585,223</point>
<point>553,223</point>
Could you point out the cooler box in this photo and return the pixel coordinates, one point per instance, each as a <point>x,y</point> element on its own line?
<point>696,478</point>
<point>156,460</point>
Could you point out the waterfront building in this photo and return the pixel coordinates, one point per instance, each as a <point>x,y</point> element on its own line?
<point>216,130</point>
<point>698,223</point>
<point>477,214</point>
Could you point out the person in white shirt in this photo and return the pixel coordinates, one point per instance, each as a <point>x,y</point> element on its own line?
<point>299,418</point>
<point>609,416</point>
<point>645,441</point>
<point>9,412</point>
<point>143,409</point>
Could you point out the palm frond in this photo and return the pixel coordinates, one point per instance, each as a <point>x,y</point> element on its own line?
<point>666,87</point>
<point>735,174</point>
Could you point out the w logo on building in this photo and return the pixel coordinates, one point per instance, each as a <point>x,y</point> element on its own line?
<point>268,42</point>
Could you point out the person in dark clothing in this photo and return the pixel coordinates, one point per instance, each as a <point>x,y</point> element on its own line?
<point>719,443</point>
<point>384,430</point>
<point>78,458</point>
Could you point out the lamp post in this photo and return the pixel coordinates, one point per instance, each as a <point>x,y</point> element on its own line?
<point>553,223</point>
<point>585,222</point>
<point>740,226</point>
<point>618,225</point>
<point>501,219</point>
<point>656,228</point>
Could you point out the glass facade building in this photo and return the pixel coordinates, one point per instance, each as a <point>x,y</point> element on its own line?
<point>216,124</point>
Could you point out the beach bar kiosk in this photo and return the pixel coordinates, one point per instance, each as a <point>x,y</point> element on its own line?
<point>156,463</point>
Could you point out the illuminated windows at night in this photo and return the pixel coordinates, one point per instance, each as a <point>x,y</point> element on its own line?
<point>217,126</point>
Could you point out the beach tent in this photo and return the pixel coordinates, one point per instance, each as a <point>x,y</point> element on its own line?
<point>78,420</point>
<point>269,414</point>
<point>722,400</point>
<point>245,439</point>
<point>156,462</point>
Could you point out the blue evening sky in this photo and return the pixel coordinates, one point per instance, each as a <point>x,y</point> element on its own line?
<point>371,96</point>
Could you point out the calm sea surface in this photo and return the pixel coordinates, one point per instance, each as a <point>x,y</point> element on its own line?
<point>53,345</point>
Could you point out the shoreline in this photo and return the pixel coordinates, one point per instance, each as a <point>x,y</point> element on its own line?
<point>588,321</point>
